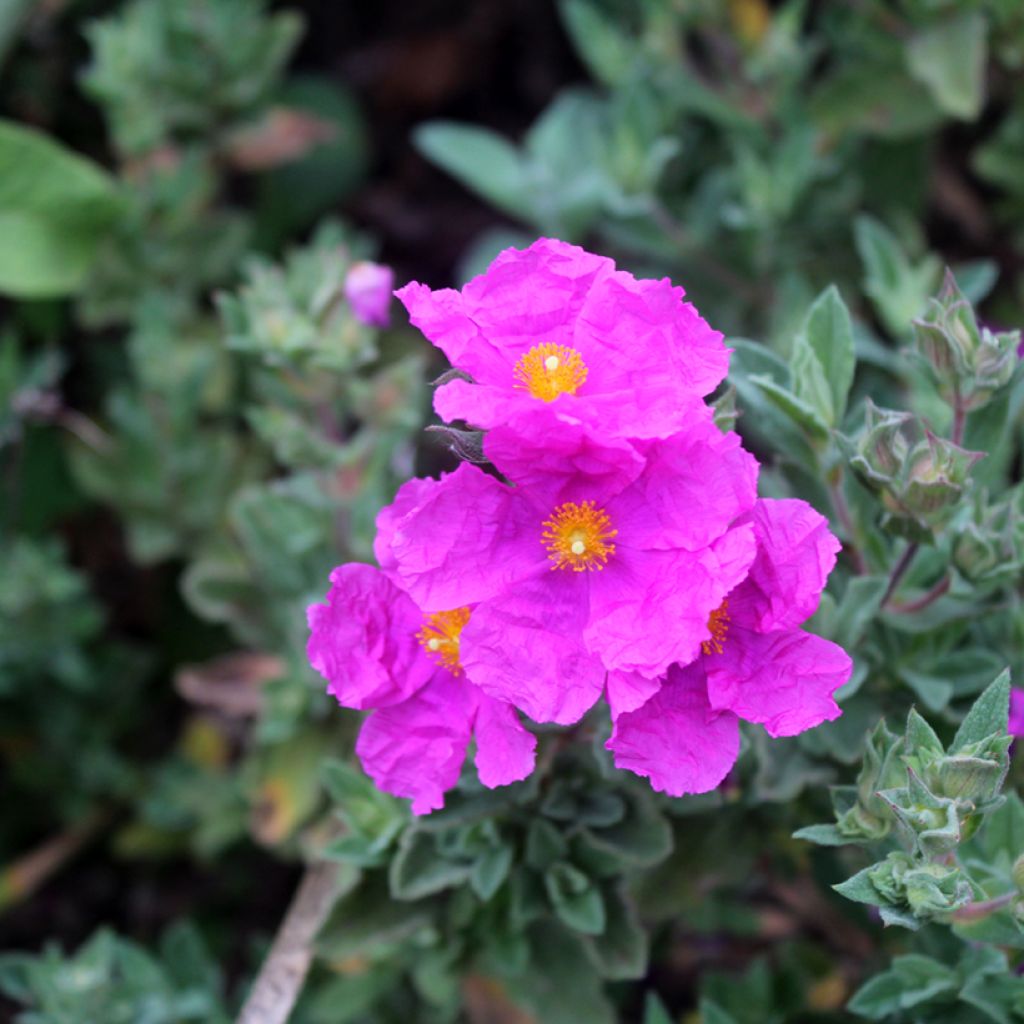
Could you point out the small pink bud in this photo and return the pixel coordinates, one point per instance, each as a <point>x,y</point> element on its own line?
<point>368,290</point>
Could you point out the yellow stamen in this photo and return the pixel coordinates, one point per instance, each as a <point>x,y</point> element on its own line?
<point>440,637</point>
<point>577,536</point>
<point>550,370</point>
<point>719,626</point>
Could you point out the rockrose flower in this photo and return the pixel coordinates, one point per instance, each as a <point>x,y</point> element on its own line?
<point>555,325</point>
<point>376,649</point>
<point>1016,723</point>
<point>756,664</point>
<point>368,290</point>
<point>605,555</point>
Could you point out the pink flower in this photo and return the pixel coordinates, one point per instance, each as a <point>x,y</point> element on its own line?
<point>757,664</point>
<point>605,556</point>
<point>368,290</point>
<point>1016,724</point>
<point>377,649</point>
<point>553,324</point>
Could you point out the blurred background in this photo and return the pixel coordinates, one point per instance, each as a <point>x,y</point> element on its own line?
<point>197,423</point>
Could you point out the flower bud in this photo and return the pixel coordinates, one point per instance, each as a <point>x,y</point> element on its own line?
<point>970,363</point>
<point>368,288</point>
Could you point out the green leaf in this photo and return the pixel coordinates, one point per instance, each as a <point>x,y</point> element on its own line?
<point>482,160</point>
<point>490,871</point>
<point>575,898</point>
<point>600,41</point>
<point>420,869</point>
<point>55,209</point>
<point>544,844</point>
<point>828,331</point>
<point>798,408</point>
<point>655,1012</point>
<point>823,835</point>
<point>621,950</point>
<point>367,919</point>
<point>860,889</point>
<point>949,59</point>
<point>989,715</point>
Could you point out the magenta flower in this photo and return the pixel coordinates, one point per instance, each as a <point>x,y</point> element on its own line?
<point>1016,723</point>
<point>757,664</point>
<point>378,650</point>
<point>368,290</point>
<point>605,556</point>
<point>555,325</point>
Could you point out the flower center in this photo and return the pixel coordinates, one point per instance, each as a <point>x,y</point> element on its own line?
<point>719,626</point>
<point>577,536</point>
<point>549,370</point>
<point>439,636</point>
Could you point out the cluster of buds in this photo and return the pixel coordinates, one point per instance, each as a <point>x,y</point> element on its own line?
<point>920,477</point>
<point>932,799</point>
<point>970,362</point>
<point>989,546</point>
<point>318,308</point>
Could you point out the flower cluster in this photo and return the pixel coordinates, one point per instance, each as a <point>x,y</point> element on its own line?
<point>619,551</point>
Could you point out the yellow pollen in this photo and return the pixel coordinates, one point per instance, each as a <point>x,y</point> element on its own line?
<point>549,370</point>
<point>439,636</point>
<point>719,626</point>
<point>577,536</point>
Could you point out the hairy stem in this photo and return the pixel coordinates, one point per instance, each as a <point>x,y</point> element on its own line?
<point>842,510</point>
<point>284,971</point>
<point>900,571</point>
<point>924,600</point>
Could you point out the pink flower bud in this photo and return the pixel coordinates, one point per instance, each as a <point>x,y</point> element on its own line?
<point>368,290</point>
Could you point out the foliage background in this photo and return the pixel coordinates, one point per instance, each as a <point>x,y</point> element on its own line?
<point>195,429</point>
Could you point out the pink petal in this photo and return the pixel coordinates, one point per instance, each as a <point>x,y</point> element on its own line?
<point>558,458</point>
<point>363,640</point>
<point>784,680</point>
<point>504,749</point>
<point>796,552</point>
<point>525,648</point>
<point>627,691</point>
<point>676,739</point>
<point>694,485</point>
<point>650,609</point>
<point>526,297</point>
<point>1016,724</point>
<point>468,538</point>
<point>415,749</point>
<point>635,334</point>
<point>411,494</point>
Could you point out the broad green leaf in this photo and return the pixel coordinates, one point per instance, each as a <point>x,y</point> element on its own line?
<point>655,1012</point>
<point>828,331</point>
<point>482,160</point>
<point>822,835</point>
<point>490,870</point>
<point>989,714</point>
<point>420,869</point>
<point>620,951</point>
<point>575,899</point>
<point>600,41</point>
<point>55,209</point>
<point>949,58</point>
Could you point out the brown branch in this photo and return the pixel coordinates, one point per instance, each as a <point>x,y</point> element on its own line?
<point>22,878</point>
<point>284,971</point>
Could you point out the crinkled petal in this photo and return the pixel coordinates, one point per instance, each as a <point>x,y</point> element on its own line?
<point>526,297</point>
<point>504,748</point>
<point>525,648</point>
<point>411,494</point>
<point>693,486</point>
<point>795,553</point>
<point>468,538</point>
<point>627,691</point>
<point>784,680</point>
<point>649,609</point>
<point>558,458</point>
<point>363,640</point>
<point>638,334</point>
<point>415,749</point>
<point>676,739</point>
